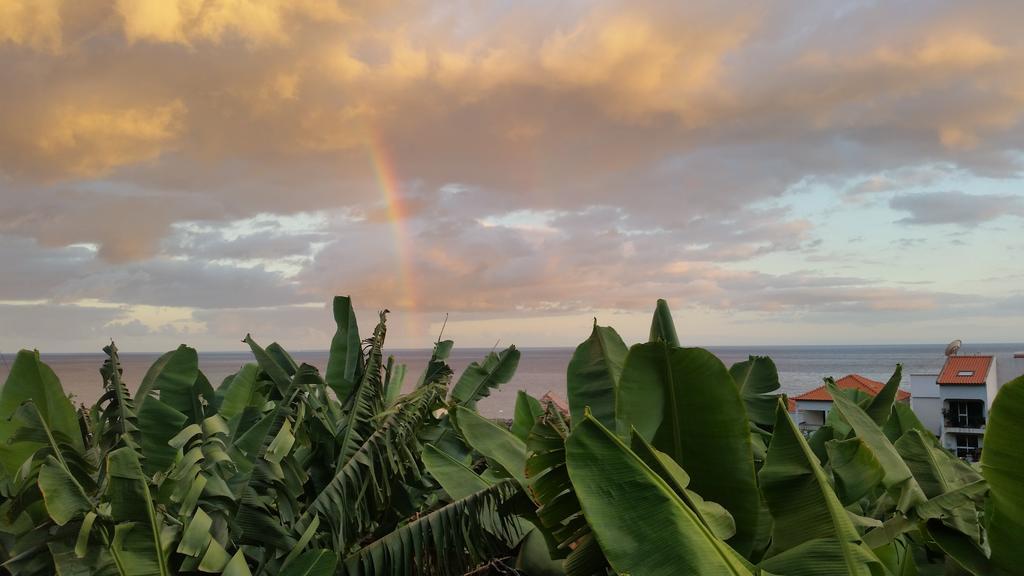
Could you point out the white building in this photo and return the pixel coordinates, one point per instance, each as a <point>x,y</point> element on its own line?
<point>954,403</point>
<point>925,401</point>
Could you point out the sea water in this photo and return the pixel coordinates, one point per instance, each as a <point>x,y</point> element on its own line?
<point>542,370</point>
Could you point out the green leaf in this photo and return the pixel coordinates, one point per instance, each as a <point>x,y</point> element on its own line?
<point>175,372</point>
<point>641,392</point>
<point>939,473</point>
<point>31,379</point>
<point>158,423</point>
<point>84,531</point>
<point>436,365</point>
<point>346,357</point>
<point>494,442</point>
<point>394,378</point>
<point>63,495</point>
<point>703,425</point>
<point>367,400</point>
<point>527,411</point>
<point>902,421</point>
<point>551,489</point>
<point>182,385</point>
<point>478,379</point>
<point>534,557</point>
<point>361,487</point>
<point>947,504</point>
<point>450,540</point>
<point>457,479</point>
<point>313,563</point>
<point>196,537</point>
<point>663,328</point>
<point>138,532</point>
<point>148,382</point>
<point>1002,464</point>
<point>897,474</point>
<point>881,405</point>
<point>711,514</point>
<point>813,533</point>
<point>237,566</point>
<point>855,468</point>
<point>283,359</point>
<point>281,444</point>
<point>593,375</point>
<point>758,381</point>
<point>62,492</point>
<point>642,525</point>
<point>239,392</point>
<point>267,363</point>
<point>962,550</point>
<point>301,544</point>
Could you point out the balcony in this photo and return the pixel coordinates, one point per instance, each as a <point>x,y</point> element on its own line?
<point>963,425</point>
<point>969,454</point>
<point>963,418</point>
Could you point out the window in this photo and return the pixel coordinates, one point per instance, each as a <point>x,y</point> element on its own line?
<point>965,373</point>
<point>965,414</point>
<point>967,447</point>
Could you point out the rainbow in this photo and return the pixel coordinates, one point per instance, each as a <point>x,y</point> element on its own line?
<point>387,180</point>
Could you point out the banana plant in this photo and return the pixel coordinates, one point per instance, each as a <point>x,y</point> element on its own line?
<point>666,462</point>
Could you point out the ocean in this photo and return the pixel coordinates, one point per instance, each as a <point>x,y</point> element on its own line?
<point>801,368</point>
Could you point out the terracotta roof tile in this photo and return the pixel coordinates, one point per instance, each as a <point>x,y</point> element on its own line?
<point>854,381</point>
<point>970,370</point>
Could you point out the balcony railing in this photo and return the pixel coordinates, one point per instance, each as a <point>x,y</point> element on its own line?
<point>957,421</point>
<point>969,454</point>
<point>976,424</point>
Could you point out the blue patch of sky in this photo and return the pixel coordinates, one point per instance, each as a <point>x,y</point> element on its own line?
<point>863,236</point>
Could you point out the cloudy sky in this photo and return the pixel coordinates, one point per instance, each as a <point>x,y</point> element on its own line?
<point>781,172</point>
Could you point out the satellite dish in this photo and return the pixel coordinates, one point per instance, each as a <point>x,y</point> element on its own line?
<point>953,347</point>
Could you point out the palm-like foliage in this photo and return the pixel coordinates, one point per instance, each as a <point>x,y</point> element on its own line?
<point>668,462</point>
<point>273,472</point>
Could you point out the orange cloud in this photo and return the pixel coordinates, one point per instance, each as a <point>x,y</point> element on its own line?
<point>961,49</point>
<point>188,21</point>
<point>32,23</point>
<point>89,142</point>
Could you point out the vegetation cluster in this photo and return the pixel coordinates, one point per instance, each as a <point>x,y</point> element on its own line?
<point>666,462</point>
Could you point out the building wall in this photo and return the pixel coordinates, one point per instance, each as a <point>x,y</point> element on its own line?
<point>812,413</point>
<point>965,392</point>
<point>929,412</point>
<point>804,405</point>
<point>797,418</point>
<point>923,386</point>
<point>992,382</point>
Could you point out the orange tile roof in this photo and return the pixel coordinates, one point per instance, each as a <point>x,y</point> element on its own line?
<point>790,405</point>
<point>855,381</point>
<point>557,400</point>
<point>977,366</point>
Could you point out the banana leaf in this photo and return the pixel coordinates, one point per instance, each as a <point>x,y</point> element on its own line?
<point>703,426</point>
<point>1002,464</point>
<point>593,375</point>
<point>663,328</point>
<point>31,379</point>
<point>345,362</point>
<point>478,379</point>
<point>448,541</point>
<point>758,381</point>
<point>641,523</point>
<point>813,533</point>
<point>497,444</point>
